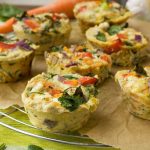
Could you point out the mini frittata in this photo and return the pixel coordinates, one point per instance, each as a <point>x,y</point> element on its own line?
<point>125,45</point>
<point>92,13</point>
<point>15,58</point>
<point>45,30</point>
<point>78,59</point>
<point>60,103</point>
<point>135,85</point>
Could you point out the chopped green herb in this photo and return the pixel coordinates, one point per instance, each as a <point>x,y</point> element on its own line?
<point>92,90</point>
<point>101,36</point>
<point>34,147</point>
<point>140,70</point>
<point>70,77</point>
<point>55,30</point>
<point>114,29</point>
<point>49,76</point>
<point>125,25</point>
<point>3,147</point>
<point>46,29</point>
<point>84,49</point>
<point>8,11</point>
<point>21,15</point>
<point>2,38</point>
<point>72,102</point>
<point>28,92</point>
<point>55,49</point>
<point>56,24</point>
<point>128,43</point>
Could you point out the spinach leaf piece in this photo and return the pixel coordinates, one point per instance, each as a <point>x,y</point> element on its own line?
<point>125,25</point>
<point>128,43</point>
<point>2,38</point>
<point>70,77</point>
<point>114,29</point>
<point>140,70</point>
<point>34,147</point>
<point>101,37</point>
<point>72,102</point>
<point>21,15</point>
<point>8,11</point>
<point>56,48</point>
<point>3,147</point>
<point>84,49</point>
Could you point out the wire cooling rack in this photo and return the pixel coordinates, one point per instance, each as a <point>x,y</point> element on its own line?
<point>71,139</point>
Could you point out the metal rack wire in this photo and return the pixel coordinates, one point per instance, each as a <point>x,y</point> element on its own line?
<point>21,110</point>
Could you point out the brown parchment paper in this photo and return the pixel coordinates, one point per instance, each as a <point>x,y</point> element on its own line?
<point>111,124</point>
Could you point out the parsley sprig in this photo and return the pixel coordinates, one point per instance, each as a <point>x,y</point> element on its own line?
<point>72,102</point>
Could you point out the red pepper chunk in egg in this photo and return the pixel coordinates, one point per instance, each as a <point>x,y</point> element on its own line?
<point>87,80</point>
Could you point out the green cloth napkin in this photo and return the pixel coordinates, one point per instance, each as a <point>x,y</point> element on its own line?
<point>19,141</point>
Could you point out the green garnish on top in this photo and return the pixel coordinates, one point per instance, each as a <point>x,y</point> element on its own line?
<point>70,77</point>
<point>2,38</point>
<point>114,29</point>
<point>101,36</point>
<point>72,102</point>
<point>49,76</point>
<point>140,70</point>
<point>128,43</point>
<point>56,48</point>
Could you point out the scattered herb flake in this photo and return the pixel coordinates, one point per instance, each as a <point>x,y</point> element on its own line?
<point>128,43</point>
<point>55,49</point>
<point>49,76</point>
<point>70,77</point>
<point>101,37</point>
<point>140,70</point>
<point>2,38</point>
